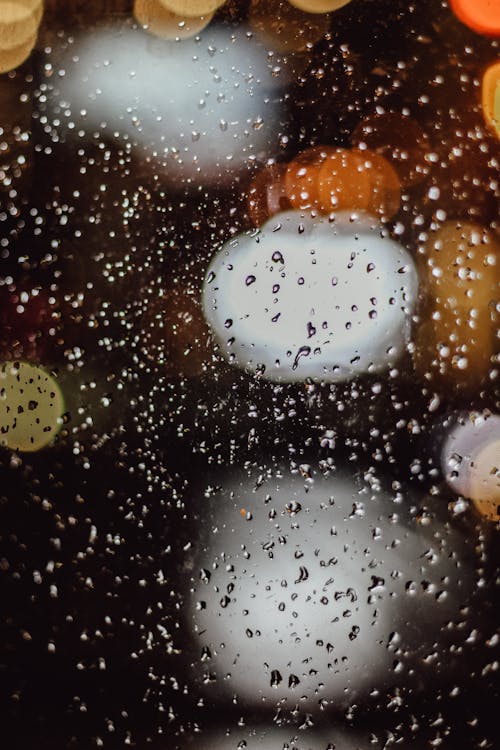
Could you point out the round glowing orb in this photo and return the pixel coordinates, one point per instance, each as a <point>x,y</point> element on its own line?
<point>19,21</point>
<point>284,28</point>
<point>457,337</point>
<point>31,407</point>
<point>319,6</point>
<point>311,299</point>
<point>343,182</point>
<point>302,175</point>
<point>192,8</point>
<point>204,109</point>
<point>302,589</point>
<point>482,16</point>
<point>491,97</point>
<point>161,22</point>
<point>13,57</point>
<point>471,461</point>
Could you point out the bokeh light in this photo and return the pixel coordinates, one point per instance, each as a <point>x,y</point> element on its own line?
<point>311,299</point>
<point>31,407</point>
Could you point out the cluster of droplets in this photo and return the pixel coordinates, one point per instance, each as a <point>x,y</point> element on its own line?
<point>143,546</point>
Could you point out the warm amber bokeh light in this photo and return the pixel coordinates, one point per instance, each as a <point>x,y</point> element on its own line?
<point>31,407</point>
<point>319,6</point>
<point>14,56</point>
<point>192,8</point>
<point>491,97</point>
<point>18,22</point>
<point>483,16</point>
<point>167,25</point>
<point>302,176</point>
<point>343,182</point>
<point>461,277</point>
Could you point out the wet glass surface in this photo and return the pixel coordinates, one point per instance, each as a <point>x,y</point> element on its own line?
<point>249,374</point>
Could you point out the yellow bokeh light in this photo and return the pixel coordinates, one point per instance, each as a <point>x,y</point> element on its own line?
<point>18,22</point>
<point>491,97</point>
<point>13,57</point>
<point>461,275</point>
<point>31,407</point>
<point>192,8</point>
<point>167,25</point>
<point>319,6</point>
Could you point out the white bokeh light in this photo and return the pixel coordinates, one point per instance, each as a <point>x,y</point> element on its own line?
<point>301,590</point>
<point>311,298</point>
<point>471,458</point>
<point>205,108</point>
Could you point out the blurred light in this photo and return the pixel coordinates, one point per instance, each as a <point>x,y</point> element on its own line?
<point>19,22</point>
<point>319,6</point>
<point>266,194</point>
<point>192,8</point>
<point>274,738</point>
<point>491,97</point>
<point>482,16</point>
<point>471,462</point>
<point>343,184</point>
<point>457,336</point>
<point>205,108</point>
<point>302,588</point>
<point>174,335</point>
<point>13,57</point>
<point>385,185</point>
<point>31,407</point>
<point>167,25</point>
<point>314,299</point>
<point>301,180</point>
